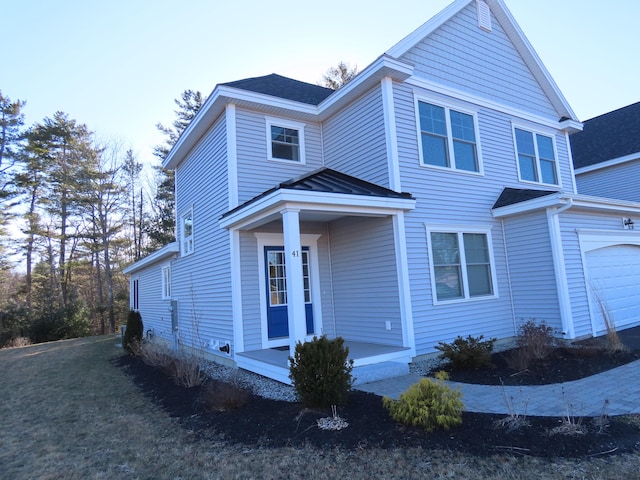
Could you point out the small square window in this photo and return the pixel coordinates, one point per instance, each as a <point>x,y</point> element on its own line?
<point>285,141</point>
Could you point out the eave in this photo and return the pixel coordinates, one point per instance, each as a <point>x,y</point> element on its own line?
<point>164,253</point>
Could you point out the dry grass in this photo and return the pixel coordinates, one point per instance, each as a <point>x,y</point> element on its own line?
<point>182,366</point>
<point>68,413</point>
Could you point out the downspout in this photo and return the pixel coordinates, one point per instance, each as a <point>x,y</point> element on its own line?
<point>557,252</point>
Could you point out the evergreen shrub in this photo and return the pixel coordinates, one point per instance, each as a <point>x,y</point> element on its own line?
<point>320,372</point>
<point>134,331</point>
<point>468,353</point>
<point>429,403</point>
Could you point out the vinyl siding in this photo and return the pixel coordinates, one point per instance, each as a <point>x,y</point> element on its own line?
<point>531,269</point>
<point>461,55</point>
<point>201,280</point>
<point>155,311</point>
<point>365,285</point>
<point>256,174</point>
<point>569,222</point>
<point>355,141</point>
<point>620,181</point>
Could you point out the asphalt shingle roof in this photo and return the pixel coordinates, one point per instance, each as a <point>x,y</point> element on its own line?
<point>511,196</point>
<point>283,87</point>
<point>606,137</point>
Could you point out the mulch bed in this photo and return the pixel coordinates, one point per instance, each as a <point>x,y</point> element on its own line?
<point>270,423</point>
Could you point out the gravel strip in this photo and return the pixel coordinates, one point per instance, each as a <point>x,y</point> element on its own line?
<point>259,385</point>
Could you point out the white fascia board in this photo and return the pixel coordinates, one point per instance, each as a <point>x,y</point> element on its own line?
<point>316,202</point>
<point>423,83</point>
<point>408,42</point>
<point>531,58</point>
<point>165,252</point>
<point>552,200</point>
<point>604,204</point>
<point>215,104</point>
<point>609,163</point>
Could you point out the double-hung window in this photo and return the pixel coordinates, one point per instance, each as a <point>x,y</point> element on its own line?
<point>461,265</point>
<point>448,138</point>
<point>536,157</point>
<point>166,282</point>
<point>186,233</point>
<point>285,140</point>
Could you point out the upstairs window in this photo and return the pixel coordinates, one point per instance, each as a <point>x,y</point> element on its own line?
<point>186,233</point>
<point>286,141</point>
<point>461,265</point>
<point>536,157</point>
<point>448,138</point>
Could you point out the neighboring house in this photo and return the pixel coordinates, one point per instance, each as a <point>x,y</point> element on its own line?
<point>606,155</point>
<point>432,196</point>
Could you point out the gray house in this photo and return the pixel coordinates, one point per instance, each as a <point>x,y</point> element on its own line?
<point>606,154</point>
<point>432,196</point>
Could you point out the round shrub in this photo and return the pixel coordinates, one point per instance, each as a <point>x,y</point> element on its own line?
<point>320,372</point>
<point>429,403</point>
<point>134,331</point>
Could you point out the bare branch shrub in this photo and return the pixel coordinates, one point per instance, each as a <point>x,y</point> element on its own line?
<point>222,397</point>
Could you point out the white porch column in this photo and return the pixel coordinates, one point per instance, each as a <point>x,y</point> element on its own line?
<point>295,283</point>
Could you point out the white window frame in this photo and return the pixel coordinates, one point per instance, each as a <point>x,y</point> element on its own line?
<point>166,282</point>
<point>276,122</point>
<point>535,132</point>
<point>460,230</point>
<point>187,242</point>
<point>135,293</point>
<point>450,148</point>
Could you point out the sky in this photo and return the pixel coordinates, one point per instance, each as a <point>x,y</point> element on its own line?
<point>118,65</point>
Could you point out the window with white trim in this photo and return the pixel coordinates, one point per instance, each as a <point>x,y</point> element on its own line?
<point>285,141</point>
<point>461,265</point>
<point>448,138</point>
<point>186,233</point>
<point>135,288</point>
<point>536,157</point>
<point>166,282</point>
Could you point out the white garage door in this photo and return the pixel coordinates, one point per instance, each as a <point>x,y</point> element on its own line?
<point>614,277</point>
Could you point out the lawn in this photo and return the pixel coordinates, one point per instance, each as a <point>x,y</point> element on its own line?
<point>70,412</point>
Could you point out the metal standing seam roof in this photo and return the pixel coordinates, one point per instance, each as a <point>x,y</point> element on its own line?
<point>283,87</point>
<point>511,196</point>
<point>329,181</point>
<point>613,135</point>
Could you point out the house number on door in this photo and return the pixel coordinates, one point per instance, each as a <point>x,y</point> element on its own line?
<point>295,253</point>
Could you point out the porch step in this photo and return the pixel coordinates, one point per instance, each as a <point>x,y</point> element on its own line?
<point>379,371</point>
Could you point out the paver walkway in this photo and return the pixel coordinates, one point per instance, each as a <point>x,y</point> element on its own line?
<point>615,392</point>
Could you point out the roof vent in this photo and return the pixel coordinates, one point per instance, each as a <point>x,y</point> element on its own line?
<point>484,15</point>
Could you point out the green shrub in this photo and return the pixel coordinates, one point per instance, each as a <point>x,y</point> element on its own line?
<point>134,331</point>
<point>320,372</point>
<point>467,354</point>
<point>429,403</point>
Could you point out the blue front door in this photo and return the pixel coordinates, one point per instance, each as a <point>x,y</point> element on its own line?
<point>276,277</point>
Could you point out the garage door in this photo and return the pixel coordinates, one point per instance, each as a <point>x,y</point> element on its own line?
<point>614,277</point>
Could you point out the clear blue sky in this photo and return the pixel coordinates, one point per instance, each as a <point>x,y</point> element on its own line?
<point>117,65</point>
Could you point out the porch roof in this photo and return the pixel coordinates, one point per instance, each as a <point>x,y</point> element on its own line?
<point>324,195</point>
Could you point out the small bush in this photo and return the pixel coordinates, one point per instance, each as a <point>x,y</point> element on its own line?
<point>182,367</point>
<point>468,354</point>
<point>134,331</point>
<point>186,370</point>
<point>429,403</point>
<point>222,397</point>
<point>321,373</point>
<point>16,342</point>
<point>536,339</point>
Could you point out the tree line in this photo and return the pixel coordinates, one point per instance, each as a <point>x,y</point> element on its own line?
<point>74,212</point>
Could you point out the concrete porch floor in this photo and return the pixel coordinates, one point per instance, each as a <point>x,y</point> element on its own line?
<point>371,361</point>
